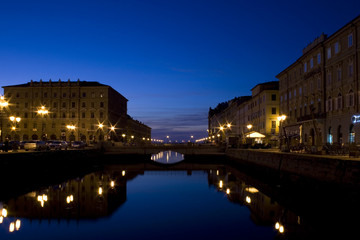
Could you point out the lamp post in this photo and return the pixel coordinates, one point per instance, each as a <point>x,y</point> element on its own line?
<point>249,127</point>
<point>42,111</point>
<point>281,119</point>
<point>71,128</point>
<point>100,127</point>
<point>3,104</point>
<point>14,120</point>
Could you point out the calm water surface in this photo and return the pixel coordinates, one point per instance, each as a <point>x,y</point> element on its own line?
<point>150,202</point>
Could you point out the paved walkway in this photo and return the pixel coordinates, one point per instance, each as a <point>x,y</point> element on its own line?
<point>340,157</point>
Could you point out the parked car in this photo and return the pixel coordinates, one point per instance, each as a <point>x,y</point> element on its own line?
<point>78,144</point>
<point>14,145</point>
<point>36,145</point>
<point>57,144</point>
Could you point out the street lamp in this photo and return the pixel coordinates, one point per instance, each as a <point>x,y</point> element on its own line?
<point>281,118</point>
<point>3,104</point>
<point>71,128</point>
<point>42,111</point>
<point>101,126</point>
<point>14,120</point>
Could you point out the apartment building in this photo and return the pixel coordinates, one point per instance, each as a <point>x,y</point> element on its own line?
<point>319,92</point>
<point>67,110</point>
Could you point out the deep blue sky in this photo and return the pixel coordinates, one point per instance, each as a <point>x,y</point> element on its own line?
<point>171,59</point>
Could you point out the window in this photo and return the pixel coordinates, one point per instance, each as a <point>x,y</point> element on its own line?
<point>63,115</point>
<point>84,94</point>
<point>72,114</point>
<point>17,95</point>
<point>73,104</point>
<point>329,53</point>
<point>339,102</point>
<point>64,104</point>
<point>101,115</point>
<point>17,105</point>
<point>92,104</point>
<point>55,95</point>
<point>93,95</point>
<point>83,125</point>
<point>25,125</point>
<point>92,115</point>
<point>26,95</point>
<point>337,47</point>
<point>83,104</point>
<point>273,97</point>
<point>305,67</point>
<point>318,58</point>
<point>339,74</point>
<point>53,125</point>
<point>350,40</point>
<point>300,91</point>
<point>36,95</point>
<point>329,78</point>
<point>319,83</point>
<point>34,125</point>
<point>83,115</point>
<point>101,104</point>
<point>64,94</point>
<point>55,104</point>
<point>25,115</point>
<point>54,115</point>
<point>273,124</point>
<point>273,110</point>
<point>289,95</point>
<point>73,94</point>
<point>45,95</point>
<point>351,69</point>
<point>311,63</point>
<point>281,98</point>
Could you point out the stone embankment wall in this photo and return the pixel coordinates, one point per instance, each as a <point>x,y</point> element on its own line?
<point>322,168</point>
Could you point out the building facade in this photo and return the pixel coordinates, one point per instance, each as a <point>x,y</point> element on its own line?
<point>67,110</point>
<point>240,116</point>
<point>319,92</point>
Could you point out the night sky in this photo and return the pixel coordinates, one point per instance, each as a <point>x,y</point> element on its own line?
<point>171,59</point>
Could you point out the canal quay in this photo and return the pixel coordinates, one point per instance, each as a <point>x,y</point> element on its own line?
<point>203,192</point>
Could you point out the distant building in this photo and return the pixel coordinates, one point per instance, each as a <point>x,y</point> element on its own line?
<point>319,92</point>
<point>67,110</point>
<point>234,119</point>
<point>263,110</point>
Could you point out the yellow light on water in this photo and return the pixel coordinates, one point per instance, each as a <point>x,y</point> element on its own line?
<point>12,227</point>
<point>100,191</point>
<point>112,183</point>
<point>277,225</point>
<point>217,172</point>
<point>68,199</point>
<point>1,219</point>
<point>281,229</point>
<point>71,198</point>
<point>228,191</point>
<point>45,197</point>
<point>4,212</point>
<point>17,224</point>
<point>248,199</point>
<point>220,184</point>
<point>123,173</point>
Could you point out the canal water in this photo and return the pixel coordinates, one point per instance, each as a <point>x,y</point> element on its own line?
<point>180,201</point>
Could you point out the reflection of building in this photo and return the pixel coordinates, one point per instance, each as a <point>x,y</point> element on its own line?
<point>93,196</point>
<point>319,92</point>
<point>77,110</point>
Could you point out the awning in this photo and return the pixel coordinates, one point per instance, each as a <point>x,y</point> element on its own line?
<point>254,135</point>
